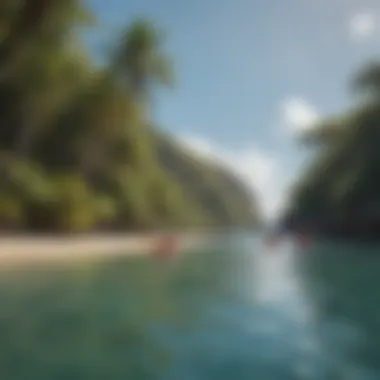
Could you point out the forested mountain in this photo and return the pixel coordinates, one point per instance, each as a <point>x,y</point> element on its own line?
<point>340,191</point>
<point>77,150</point>
<point>222,197</point>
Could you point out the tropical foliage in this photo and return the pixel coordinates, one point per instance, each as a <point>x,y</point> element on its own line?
<point>343,181</point>
<point>78,150</point>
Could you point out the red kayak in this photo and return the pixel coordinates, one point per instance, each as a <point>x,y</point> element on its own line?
<point>166,247</point>
<point>303,239</point>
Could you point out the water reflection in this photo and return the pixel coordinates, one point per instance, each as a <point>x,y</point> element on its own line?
<point>233,310</point>
<point>344,283</point>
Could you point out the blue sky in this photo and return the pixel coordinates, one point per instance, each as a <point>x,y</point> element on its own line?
<point>251,74</point>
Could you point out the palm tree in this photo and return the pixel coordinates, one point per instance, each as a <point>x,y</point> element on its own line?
<point>33,24</point>
<point>141,64</point>
<point>367,81</point>
<point>35,46</point>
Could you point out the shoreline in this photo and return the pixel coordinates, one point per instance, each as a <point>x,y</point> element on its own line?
<point>28,249</point>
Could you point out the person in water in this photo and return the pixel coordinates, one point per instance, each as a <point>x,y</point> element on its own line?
<point>166,247</point>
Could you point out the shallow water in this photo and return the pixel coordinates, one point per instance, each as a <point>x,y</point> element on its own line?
<point>231,310</point>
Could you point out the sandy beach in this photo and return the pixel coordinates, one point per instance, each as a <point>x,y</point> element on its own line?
<point>37,249</point>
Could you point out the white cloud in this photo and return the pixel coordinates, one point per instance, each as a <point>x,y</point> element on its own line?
<point>198,145</point>
<point>257,168</point>
<point>298,115</point>
<point>362,25</point>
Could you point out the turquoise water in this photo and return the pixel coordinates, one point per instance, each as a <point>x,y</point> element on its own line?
<point>231,310</point>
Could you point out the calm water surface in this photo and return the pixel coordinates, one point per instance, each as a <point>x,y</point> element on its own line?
<point>232,310</point>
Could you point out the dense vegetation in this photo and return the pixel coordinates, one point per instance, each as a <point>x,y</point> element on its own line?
<point>340,191</point>
<point>78,150</point>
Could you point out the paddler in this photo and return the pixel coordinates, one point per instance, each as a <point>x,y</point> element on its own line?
<point>166,247</point>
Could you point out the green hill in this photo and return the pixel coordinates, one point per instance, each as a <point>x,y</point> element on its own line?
<point>223,197</point>
<point>340,191</point>
<point>76,150</point>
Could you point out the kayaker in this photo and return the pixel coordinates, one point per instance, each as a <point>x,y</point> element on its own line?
<point>166,247</point>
